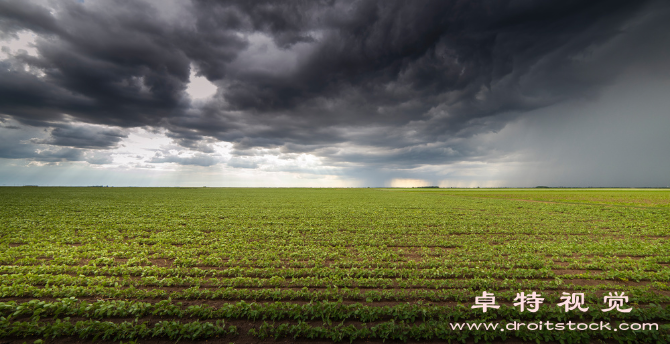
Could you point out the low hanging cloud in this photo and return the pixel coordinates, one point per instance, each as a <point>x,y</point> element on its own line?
<point>196,160</point>
<point>371,84</point>
<point>82,136</point>
<point>241,163</point>
<point>59,143</point>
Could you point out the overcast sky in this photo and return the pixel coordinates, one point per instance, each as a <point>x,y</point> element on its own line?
<point>335,93</point>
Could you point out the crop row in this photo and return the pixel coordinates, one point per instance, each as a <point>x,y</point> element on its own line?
<point>442,246</point>
<point>653,263</point>
<point>325,311</point>
<point>637,294</point>
<point>297,282</point>
<point>338,273</point>
<point>174,330</point>
<point>93,329</point>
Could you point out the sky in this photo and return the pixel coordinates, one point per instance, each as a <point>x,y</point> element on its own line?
<point>332,93</point>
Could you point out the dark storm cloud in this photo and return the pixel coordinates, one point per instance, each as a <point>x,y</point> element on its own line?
<point>191,139</point>
<point>62,143</point>
<point>409,80</point>
<point>112,63</point>
<point>21,15</point>
<point>64,154</point>
<point>83,137</point>
<point>17,150</point>
<point>418,73</point>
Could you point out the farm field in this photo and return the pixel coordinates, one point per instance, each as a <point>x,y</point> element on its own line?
<point>235,265</point>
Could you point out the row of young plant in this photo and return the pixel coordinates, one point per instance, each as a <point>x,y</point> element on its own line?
<point>371,243</point>
<point>390,330</point>
<point>94,329</point>
<point>358,231</point>
<point>658,263</point>
<point>436,254</point>
<point>325,311</point>
<point>299,282</point>
<point>641,295</point>
<point>289,273</point>
<point>336,272</point>
<point>294,243</point>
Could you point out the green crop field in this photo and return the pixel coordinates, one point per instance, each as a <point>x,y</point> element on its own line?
<point>328,265</point>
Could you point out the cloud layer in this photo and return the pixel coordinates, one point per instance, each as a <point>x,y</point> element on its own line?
<point>361,85</point>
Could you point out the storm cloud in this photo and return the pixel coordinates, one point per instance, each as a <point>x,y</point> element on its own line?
<point>364,84</point>
<point>83,137</point>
